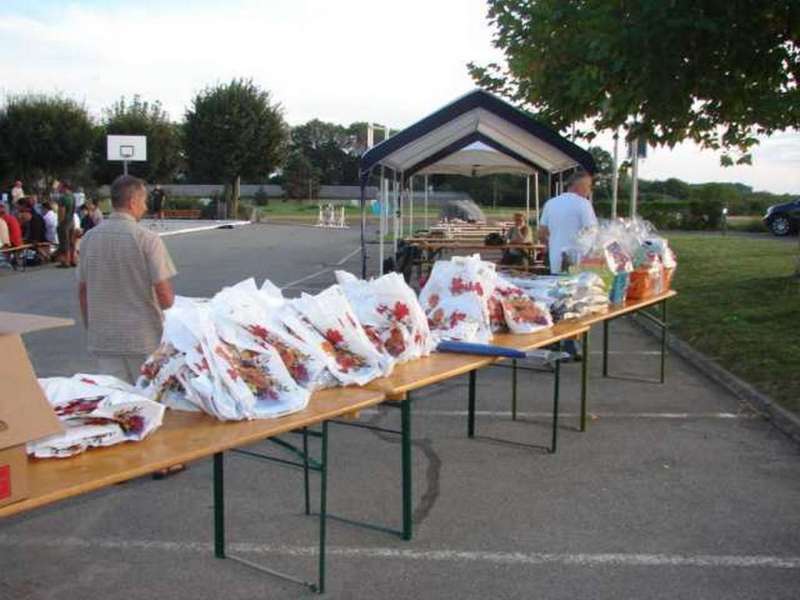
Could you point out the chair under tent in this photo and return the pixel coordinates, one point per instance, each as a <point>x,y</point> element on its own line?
<point>475,135</point>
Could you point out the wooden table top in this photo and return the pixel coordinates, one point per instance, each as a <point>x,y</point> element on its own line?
<point>441,366</point>
<point>473,245</point>
<point>183,437</point>
<point>617,310</point>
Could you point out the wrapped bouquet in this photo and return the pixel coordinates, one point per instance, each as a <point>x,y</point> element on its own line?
<point>96,410</point>
<point>390,314</point>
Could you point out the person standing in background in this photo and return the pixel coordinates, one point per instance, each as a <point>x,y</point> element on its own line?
<point>66,227</point>
<point>159,197</point>
<point>50,223</point>
<point>17,192</point>
<point>124,284</point>
<point>564,216</point>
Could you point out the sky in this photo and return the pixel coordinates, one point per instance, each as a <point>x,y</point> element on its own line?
<point>336,60</point>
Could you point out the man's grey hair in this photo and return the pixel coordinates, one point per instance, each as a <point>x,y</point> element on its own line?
<point>577,175</point>
<point>124,188</point>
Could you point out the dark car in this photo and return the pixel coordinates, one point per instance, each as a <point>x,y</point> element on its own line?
<point>783,219</point>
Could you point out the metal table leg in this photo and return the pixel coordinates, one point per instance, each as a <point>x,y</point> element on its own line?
<point>405,418</point>
<point>664,328</point>
<point>219,506</point>
<point>556,384</point>
<point>584,379</point>
<point>307,492</point>
<point>471,403</point>
<point>307,464</point>
<point>605,348</point>
<point>514,389</point>
<point>323,506</point>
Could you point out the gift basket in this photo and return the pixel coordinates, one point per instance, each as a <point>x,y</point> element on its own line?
<point>95,410</point>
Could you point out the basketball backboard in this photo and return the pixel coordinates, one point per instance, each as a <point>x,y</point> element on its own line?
<point>127,147</point>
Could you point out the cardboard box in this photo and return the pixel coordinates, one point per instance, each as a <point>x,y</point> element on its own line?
<point>25,413</point>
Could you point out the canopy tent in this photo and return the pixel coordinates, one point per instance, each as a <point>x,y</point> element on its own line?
<point>477,134</point>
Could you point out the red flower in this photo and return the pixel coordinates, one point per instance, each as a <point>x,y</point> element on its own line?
<point>258,331</point>
<point>401,311</point>
<point>478,288</point>
<point>334,337</point>
<point>456,318</point>
<point>433,301</point>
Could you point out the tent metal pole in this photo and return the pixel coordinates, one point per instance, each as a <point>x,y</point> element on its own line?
<point>383,202</point>
<point>527,198</point>
<point>396,230</point>
<point>426,202</point>
<point>615,177</point>
<point>363,228</point>
<point>411,206</point>
<point>635,176</point>
<point>561,182</point>
<point>536,195</point>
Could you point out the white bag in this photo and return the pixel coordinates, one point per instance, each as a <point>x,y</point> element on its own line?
<point>456,299</point>
<point>96,410</point>
<point>390,314</point>
<point>353,358</point>
<point>520,313</point>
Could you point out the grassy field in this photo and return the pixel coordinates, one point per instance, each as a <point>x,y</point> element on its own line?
<point>738,303</point>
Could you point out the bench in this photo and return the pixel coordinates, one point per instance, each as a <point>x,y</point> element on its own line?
<point>182,213</point>
<point>15,255</point>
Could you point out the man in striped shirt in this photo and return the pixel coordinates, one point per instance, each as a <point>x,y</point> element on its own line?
<point>124,276</point>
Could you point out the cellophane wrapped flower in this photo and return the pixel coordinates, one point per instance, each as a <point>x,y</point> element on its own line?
<point>95,410</point>
<point>390,314</point>
<point>456,299</point>
<point>353,358</point>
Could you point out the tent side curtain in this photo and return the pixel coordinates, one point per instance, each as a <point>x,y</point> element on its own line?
<point>476,101</point>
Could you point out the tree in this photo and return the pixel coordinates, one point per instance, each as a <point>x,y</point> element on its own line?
<point>44,136</point>
<point>677,188</point>
<point>300,177</point>
<point>139,117</point>
<point>234,131</point>
<point>604,174</point>
<point>714,72</point>
<point>332,150</point>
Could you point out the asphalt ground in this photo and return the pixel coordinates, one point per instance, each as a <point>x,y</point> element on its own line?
<point>675,491</point>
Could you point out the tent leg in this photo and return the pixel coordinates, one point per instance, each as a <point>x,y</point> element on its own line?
<point>363,231</point>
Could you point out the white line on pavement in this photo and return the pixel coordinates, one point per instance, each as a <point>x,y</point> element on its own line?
<point>202,228</point>
<point>339,263</point>
<point>448,555</point>
<point>602,415</point>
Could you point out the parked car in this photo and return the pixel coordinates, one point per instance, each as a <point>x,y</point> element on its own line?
<point>783,219</point>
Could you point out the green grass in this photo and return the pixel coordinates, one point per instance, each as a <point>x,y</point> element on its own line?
<point>738,303</point>
<point>749,224</point>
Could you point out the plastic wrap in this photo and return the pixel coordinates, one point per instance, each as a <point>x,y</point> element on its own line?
<point>390,314</point>
<point>96,410</point>
<point>456,299</point>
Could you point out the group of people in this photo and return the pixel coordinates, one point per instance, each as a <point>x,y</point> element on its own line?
<point>57,222</point>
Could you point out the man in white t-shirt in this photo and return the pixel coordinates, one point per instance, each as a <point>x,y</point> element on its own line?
<point>565,216</point>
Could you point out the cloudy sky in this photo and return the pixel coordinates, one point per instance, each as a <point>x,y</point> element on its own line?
<point>342,61</point>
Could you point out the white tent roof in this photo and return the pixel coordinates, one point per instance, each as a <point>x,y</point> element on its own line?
<point>444,142</point>
<point>476,160</point>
